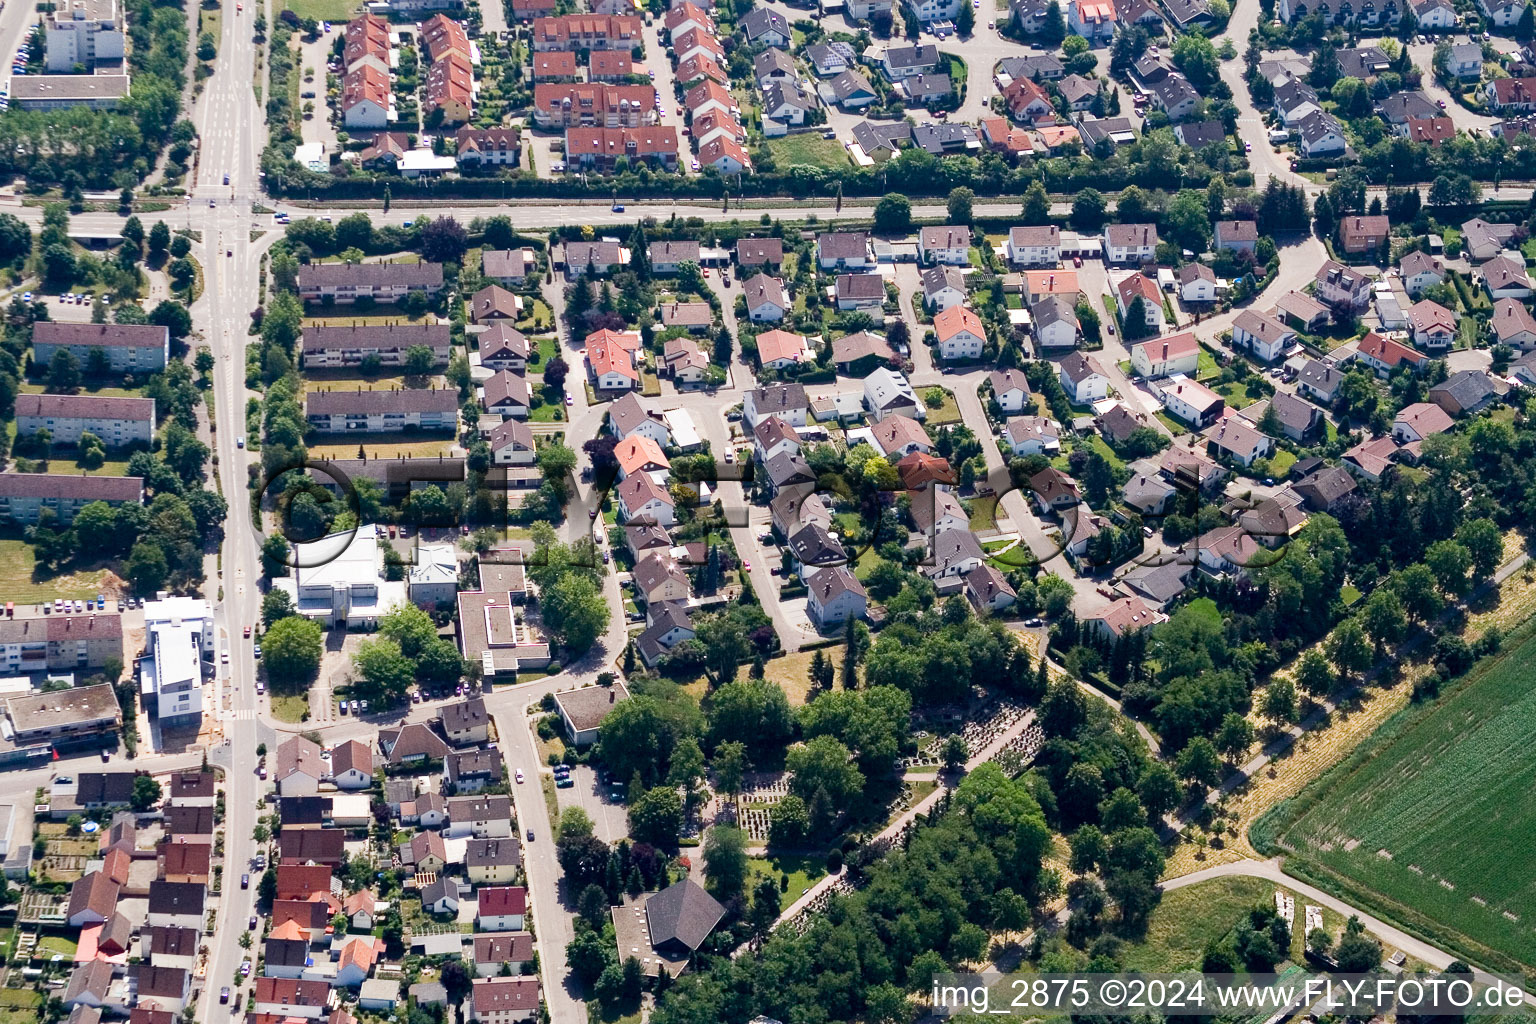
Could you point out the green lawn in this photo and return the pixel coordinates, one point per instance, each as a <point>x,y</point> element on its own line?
<point>322,10</point>
<point>1207,367</point>
<point>89,388</point>
<point>539,318</point>
<point>1349,594</point>
<point>946,413</point>
<point>20,581</point>
<point>984,512</point>
<point>549,412</point>
<point>289,708</point>
<point>808,148</point>
<point>803,872</point>
<point>1422,822</point>
<point>1187,919</point>
<point>1280,463</point>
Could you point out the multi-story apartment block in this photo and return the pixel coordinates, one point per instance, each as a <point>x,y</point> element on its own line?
<point>85,32</point>
<point>345,283</point>
<point>62,643</point>
<point>117,421</point>
<point>340,412</point>
<point>129,348</point>
<point>350,344</point>
<point>23,496</point>
<point>567,105</point>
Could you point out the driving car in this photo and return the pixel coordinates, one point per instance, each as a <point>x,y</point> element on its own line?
<point>240,441</point>
<point>747,566</point>
<point>530,835</point>
<point>568,399</point>
<point>251,926</point>
<point>226,179</point>
<point>519,776</point>
<point>245,881</point>
<point>247,631</point>
<point>224,994</point>
<point>618,207</point>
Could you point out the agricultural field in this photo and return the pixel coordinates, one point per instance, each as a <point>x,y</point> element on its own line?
<point>1424,820</point>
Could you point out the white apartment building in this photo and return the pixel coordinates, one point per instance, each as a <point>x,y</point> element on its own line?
<point>83,32</point>
<point>339,580</point>
<point>180,635</point>
<point>117,421</point>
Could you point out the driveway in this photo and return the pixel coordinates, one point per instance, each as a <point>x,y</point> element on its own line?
<point>1423,54</point>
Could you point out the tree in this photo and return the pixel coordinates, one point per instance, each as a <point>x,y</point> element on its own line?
<point>276,604</point>
<point>1313,673</point>
<point>1357,952</point>
<point>657,817</point>
<point>173,316</point>
<point>291,649</point>
<point>729,765</point>
<point>824,772</point>
<point>1415,586</point>
<point>1198,763</point>
<point>1234,737</point>
<point>725,862</point>
<point>1279,702</point>
<point>1348,649</point>
<point>1383,618</point>
<point>147,568</point>
<point>146,793</point>
<point>575,611</point>
<point>1158,789</point>
<point>1525,28</point>
<point>961,201</point>
<point>1450,562</point>
<point>1037,205</point>
<point>1484,544</point>
<point>1088,209</point>
<point>383,672</point>
<point>63,372</point>
<point>418,361</point>
<point>592,905</point>
<point>893,214</point>
<point>789,823</point>
<point>444,240</point>
<point>1054,28</point>
<point>159,238</point>
<point>1322,214</point>
<point>274,555</point>
<point>965,21</point>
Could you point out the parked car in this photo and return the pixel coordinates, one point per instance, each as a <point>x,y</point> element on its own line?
<point>224,994</point>
<point>251,925</point>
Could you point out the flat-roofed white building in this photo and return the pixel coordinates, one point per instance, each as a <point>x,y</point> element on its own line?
<point>83,32</point>
<point>339,580</point>
<point>180,636</point>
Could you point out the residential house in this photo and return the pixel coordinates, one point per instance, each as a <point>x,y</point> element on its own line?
<point>787,401</point>
<point>393,411</point>
<point>640,496</point>
<point>1434,326</point>
<point>959,334</point>
<point>835,597</point>
<point>501,908</point>
<point>1261,334</point>
<point>887,392</point>
<point>413,742</point>
<point>1130,243</point>
<point>1197,284</point>
<point>1236,439</point>
<point>1034,246</point>
<point>504,1000</point>
<point>1191,401</point>
<point>512,444</point>
<point>1321,135</point>
<point>352,765</point>
<point>506,394</point>
<point>1363,235</point>
<point>627,416</point>
<point>1464,393</point>
<point>1482,241</point>
<point>492,950</point>
<point>844,250</point>
<point>1419,270</point>
<point>1505,278</point>
<point>859,291</point>
<point>1513,325</point>
<point>1094,20</point>
<point>1083,379</point>
<point>857,354</point>
<point>767,299</point>
<point>1164,357</point>
<point>1383,355</point>
<point>299,767</point>
<point>1140,286</point>
<point>948,244</point>
<point>1055,322</point>
<point>896,436</point>
<point>1032,435</point>
<point>1338,285</point>
<point>943,287</point>
<point>1236,235</point>
<point>1010,389</point>
<point>1418,421</point>
<point>767,253</point>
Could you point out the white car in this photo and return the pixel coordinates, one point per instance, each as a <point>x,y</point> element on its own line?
<point>519,776</point>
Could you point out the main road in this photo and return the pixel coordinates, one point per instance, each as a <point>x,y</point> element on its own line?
<point>229,123</point>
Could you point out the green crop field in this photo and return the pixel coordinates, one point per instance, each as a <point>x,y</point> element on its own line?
<point>1428,820</point>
